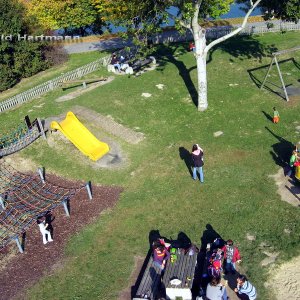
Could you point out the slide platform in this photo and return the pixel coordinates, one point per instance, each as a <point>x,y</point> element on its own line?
<point>81,137</point>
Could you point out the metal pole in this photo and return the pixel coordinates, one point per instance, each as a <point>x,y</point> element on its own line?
<point>2,203</point>
<point>42,131</point>
<point>269,69</point>
<point>89,190</point>
<point>281,79</point>
<point>18,244</point>
<point>41,173</point>
<point>66,208</point>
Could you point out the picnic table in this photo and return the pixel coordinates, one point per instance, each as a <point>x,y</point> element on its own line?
<point>182,269</point>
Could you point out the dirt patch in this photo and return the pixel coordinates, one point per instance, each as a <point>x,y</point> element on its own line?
<point>81,90</point>
<point>287,188</point>
<point>285,279</point>
<point>21,164</point>
<point>20,271</point>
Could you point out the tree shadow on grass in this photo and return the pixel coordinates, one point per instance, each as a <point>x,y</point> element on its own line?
<point>243,48</point>
<point>240,47</point>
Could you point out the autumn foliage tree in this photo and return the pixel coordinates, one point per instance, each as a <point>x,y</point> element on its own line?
<point>65,14</point>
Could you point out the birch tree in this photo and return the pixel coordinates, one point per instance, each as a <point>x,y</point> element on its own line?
<point>202,48</point>
<point>144,17</point>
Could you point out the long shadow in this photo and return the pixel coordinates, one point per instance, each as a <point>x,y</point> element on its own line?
<point>135,287</point>
<point>201,278</point>
<point>294,190</point>
<point>185,155</point>
<point>267,116</point>
<point>282,150</point>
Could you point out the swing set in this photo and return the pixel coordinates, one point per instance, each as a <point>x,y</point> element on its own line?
<point>287,90</point>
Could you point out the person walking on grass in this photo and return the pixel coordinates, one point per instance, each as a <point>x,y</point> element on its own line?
<point>293,159</point>
<point>197,157</point>
<point>43,229</point>
<point>244,287</point>
<point>231,256</point>
<point>275,115</point>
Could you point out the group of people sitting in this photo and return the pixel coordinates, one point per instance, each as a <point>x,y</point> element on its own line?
<point>119,63</point>
<point>218,254</point>
<point>222,259</point>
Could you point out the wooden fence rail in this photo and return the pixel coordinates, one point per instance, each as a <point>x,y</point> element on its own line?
<point>53,84</point>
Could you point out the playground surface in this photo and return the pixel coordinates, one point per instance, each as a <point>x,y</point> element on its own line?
<point>19,271</point>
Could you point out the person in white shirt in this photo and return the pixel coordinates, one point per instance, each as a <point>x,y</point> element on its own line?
<point>43,229</point>
<point>215,290</point>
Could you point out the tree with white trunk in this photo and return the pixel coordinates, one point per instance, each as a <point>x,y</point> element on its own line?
<point>202,48</point>
<point>143,19</point>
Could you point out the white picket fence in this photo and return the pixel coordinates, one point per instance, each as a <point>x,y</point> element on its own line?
<point>253,29</point>
<point>216,32</point>
<point>53,84</point>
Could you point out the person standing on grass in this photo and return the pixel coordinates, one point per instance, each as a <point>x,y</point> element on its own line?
<point>244,287</point>
<point>197,157</point>
<point>293,159</point>
<point>231,256</point>
<point>43,229</point>
<point>275,115</point>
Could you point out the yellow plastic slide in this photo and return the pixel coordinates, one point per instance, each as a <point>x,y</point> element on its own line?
<point>81,137</point>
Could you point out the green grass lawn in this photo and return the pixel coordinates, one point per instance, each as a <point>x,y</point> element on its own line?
<point>75,61</point>
<point>238,196</point>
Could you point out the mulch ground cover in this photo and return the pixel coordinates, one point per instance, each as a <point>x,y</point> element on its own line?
<point>23,270</point>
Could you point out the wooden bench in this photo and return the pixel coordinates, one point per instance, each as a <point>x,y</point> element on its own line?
<point>149,285</point>
<point>142,63</point>
<point>84,82</point>
<point>183,268</point>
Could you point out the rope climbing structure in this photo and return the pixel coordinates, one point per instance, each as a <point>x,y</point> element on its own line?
<point>25,197</point>
<point>24,135</point>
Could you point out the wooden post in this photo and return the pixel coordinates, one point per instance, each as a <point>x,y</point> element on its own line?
<point>41,172</point>
<point>18,244</point>
<point>281,79</point>
<point>65,204</point>
<point>89,190</point>
<point>41,128</point>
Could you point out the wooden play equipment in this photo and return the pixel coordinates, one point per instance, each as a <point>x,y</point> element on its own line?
<point>84,82</point>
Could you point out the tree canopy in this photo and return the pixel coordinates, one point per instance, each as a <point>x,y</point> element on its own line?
<point>18,58</point>
<point>59,14</point>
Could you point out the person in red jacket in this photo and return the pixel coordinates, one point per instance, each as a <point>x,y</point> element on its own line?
<point>231,256</point>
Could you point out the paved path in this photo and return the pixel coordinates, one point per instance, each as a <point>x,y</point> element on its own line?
<point>114,43</point>
<point>118,43</point>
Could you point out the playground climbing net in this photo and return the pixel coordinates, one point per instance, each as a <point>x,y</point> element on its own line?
<point>23,198</point>
<point>13,137</point>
